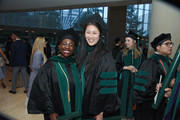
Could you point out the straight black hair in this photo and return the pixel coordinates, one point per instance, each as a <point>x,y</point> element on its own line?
<point>96,53</point>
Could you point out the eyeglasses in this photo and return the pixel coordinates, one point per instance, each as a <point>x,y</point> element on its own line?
<point>168,44</point>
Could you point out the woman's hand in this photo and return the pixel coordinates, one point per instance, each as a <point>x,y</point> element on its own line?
<point>7,62</point>
<point>99,116</point>
<point>53,116</point>
<point>131,68</point>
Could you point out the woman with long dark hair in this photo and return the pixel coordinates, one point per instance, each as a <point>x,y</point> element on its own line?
<point>98,74</point>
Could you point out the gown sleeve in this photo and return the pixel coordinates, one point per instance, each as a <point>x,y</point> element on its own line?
<point>104,94</point>
<point>145,82</point>
<point>119,62</point>
<point>40,100</point>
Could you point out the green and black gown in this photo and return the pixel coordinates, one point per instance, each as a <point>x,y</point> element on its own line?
<point>99,87</point>
<point>56,89</point>
<point>146,80</point>
<point>173,107</point>
<point>126,81</point>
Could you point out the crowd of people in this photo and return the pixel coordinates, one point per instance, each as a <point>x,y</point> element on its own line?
<point>87,81</point>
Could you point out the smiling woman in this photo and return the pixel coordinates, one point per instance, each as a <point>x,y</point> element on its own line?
<point>98,74</point>
<point>92,35</point>
<point>128,63</point>
<point>56,91</point>
<point>67,47</point>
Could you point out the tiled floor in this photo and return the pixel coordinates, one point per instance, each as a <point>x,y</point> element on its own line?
<point>13,105</point>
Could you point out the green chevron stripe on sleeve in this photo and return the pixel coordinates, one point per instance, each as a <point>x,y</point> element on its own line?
<point>108,75</point>
<point>141,80</point>
<point>140,88</point>
<point>108,82</point>
<point>142,73</point>
<point>108,90</point>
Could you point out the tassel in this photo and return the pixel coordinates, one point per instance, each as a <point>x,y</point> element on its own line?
<point>68,96</point>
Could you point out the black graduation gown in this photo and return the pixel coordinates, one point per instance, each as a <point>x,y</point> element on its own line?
<point>115,51</point>
<point>145,87</point>
<point>126,81</point>
<point>45,97</point>
<point>100,87</point>
<point>173,107</point>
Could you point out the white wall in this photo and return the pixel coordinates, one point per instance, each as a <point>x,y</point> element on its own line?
<point>165,18</point>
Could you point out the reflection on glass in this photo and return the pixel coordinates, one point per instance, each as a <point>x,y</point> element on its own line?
<point>57,19</point>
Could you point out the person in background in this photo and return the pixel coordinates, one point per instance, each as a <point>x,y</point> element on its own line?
<point>47,49</point>
<point>18,61</point>
<point>127,65</point>
<point>37,59</point>
<point>98,74</point>
<point>141,48</point>
<point>57,48</point>
<point>8,47</point>
<point>7,51</point>
<point>28,56</point>
<point>153,71</point>
<point>56,90</point>
<point>118,47</point>
<point>2,67</point>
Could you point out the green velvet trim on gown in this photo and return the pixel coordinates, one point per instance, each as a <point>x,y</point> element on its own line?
<point>63,85</point>
<point>171,98</point>
<point>165,60</point>
<point>128,83</point>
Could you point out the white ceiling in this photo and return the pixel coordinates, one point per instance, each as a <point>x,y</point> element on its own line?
<point>37,5</point>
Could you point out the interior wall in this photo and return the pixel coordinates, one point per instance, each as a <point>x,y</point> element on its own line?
<point>165,18</point>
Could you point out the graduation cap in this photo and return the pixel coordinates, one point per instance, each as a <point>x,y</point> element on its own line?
<point>69,34</point>
<point>116,40</point>
<point>160,39</point>
<point>97,18</point>
<point>133,35</point>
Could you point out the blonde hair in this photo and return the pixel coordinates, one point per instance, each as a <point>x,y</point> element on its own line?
<point>38,46</point>
<point>136,51</point>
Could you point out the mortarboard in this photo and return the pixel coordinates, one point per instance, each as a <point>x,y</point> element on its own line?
<point>133,35</point>
<point>69,34</point>
<point>160,39</point>
<point>97,18</point>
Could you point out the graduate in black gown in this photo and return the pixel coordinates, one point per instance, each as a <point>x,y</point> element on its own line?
<point>173,107</point>
<point>119,46</point>
<point>98,74</point>
<point>127,65</point>
<point>150,74</point>
<point>56,90</point>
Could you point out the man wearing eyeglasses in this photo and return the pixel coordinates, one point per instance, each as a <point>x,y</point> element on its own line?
<point>149,78</point>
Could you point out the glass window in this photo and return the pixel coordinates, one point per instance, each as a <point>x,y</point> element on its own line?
<point>84,9</point>
<point>57,19</point>
<point>141,6</point>
<point>138,18</point>
<point>135,6</point>
<point>147,6</point>
<point>140,15</point>
<point>146,17</point>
